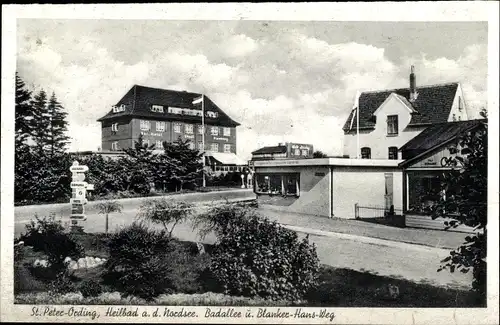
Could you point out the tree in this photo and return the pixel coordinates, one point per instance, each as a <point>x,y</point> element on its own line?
<point>107,207</point>
<point>186,163</point>
<point>465,201</point>
<point>57,138</point>
<point>319,154</point>
<point>23,112</point>
<point>40,124</point>
<point>139,166</point>
<point>167,213</point>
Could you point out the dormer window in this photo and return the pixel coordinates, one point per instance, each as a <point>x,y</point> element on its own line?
<point>392,125</point>
<point>117,109</point>
<point>157,108</point>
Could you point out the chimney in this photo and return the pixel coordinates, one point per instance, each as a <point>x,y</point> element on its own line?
<point>413,85</point>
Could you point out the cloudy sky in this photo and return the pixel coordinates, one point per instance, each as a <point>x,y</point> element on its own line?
<point>283,81</point>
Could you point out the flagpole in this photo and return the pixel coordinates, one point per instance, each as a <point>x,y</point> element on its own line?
<point>203,135</point>
<point>357,122</point>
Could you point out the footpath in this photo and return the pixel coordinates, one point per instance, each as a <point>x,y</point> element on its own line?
<point>364,231</point>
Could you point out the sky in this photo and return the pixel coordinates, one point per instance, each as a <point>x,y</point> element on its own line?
<point>282,80</point>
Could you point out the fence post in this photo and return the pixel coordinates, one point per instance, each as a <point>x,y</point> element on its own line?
<point>356,211</point>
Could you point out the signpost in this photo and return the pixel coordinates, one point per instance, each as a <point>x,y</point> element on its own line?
<point>78,199</point>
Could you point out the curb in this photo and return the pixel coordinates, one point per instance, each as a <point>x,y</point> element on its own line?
<point>367,240</point>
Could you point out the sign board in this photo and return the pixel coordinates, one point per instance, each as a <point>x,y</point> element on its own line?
<point>76,208</point>
<point>78,177</point>
<point>78,168</point>
<point>90,187</point>
<point>78,217</point>
<point>77,201</point>
<point>78,184</point>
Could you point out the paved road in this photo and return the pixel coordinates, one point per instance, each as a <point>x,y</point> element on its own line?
<point>413,262</point>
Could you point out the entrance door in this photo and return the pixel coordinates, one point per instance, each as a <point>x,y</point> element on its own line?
<point>388,191</point>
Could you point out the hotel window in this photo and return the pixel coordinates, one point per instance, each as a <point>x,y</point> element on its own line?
<point>393,153</point>
<point>177,128</point>
<point>200,145</point>
<point>114,127</point>
<point>366,153</point>
<point>160,126</point>
<point>227,148</point>
<point>227,132</point>
<point>158,144</point>
<point>214,130</point>
<point>114,146</point>
<point>278,184</point>
<point>305,152</point>
<point>188,128</point>
<point>296,152</point>
<point>392,125</point>
<point>145,125</point>
<point>214,147</point>
<point>200,129</point>
<point>146,142</point>
<point>157,108</point>
<point>191,145</point>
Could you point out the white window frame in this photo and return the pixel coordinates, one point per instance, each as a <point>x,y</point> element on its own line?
<point>157,108</point>
<point>227,147</point>
<point>158,144</point>
<point>226,132</point>
<point>304,152</point>
<point>160,126</point>
<point>189,128</point>
<point>191,145</point>
<point>214,147</point>
<point>200,145</point>
<point>145,125</point>
<point>201,129</point>
<point>114,127</point>
<point>114,146</point>
<point>214,130</point>
<point>177,127</point>
<point>392,129</point>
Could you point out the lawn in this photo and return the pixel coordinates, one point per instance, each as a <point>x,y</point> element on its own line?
<point>337,288</point>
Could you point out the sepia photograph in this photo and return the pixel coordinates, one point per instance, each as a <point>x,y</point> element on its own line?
<point>250,167</point>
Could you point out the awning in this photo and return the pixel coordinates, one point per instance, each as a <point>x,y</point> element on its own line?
<point>224,158</point>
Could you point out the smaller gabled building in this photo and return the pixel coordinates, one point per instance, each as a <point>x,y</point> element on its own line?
<point>390,118</point>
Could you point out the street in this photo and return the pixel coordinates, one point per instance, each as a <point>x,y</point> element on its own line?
<point>399,260</point>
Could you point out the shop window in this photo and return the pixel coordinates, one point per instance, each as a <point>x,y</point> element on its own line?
<point>227,148</point>
<point>393,153</point>
<point>277,184</point>
<point>392,125</point>
<point>158,144</point>
<point>366,153</point>
<point>214,147</point>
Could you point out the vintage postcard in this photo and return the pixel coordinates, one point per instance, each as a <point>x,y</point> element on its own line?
<point>332,163</point>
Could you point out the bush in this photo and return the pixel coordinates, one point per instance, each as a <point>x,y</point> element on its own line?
<point>139,261</point>
<point>167,213</point>
<point>257,257</point>
<point>90,288</point>
<point>47,235</point>
<point>64,283</point>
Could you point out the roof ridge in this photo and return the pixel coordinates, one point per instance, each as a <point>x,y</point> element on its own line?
<point>404,88</point>
<point>170,90</point>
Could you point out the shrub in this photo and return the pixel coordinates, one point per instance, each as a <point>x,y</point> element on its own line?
<point>256,257</point>
<point>167,213</point>
<point>62,284</point>
<point>90,288</point>
<point>139,262</point>
<point>47,235</point>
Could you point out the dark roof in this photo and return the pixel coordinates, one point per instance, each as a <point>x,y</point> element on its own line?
<point>274,149</point>
<point>436,135</point>
<point>433,105</point>
<point>139,99</point>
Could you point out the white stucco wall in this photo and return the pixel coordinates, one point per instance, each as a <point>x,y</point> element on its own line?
<point>377,139</point>
<point>314,191</point>
<point>459,115</point>
<point>365,186</point>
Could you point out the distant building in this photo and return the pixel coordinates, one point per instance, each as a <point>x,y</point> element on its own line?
<point>390,118</point>
<point>286,150</point>
<point>160,115</point>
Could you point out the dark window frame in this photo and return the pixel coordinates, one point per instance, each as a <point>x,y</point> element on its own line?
<point>392,125</point>
<point>366,153</point>
<point>394,152</point>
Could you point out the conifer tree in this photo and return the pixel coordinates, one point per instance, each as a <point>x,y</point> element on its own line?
<point>40,124</point>
<point>23,113</point>
<point>188,165</point>
<point>57,138</point>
